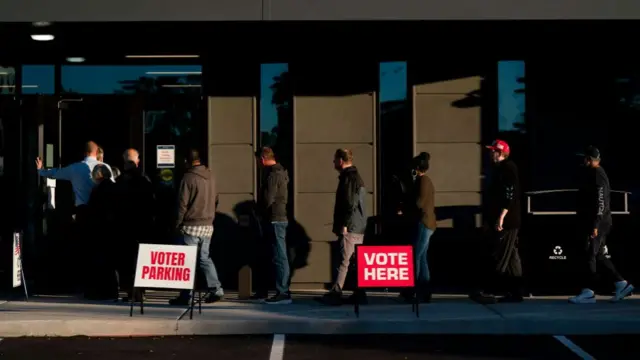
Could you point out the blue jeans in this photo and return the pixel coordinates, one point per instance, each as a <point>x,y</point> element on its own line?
<point>280,258</point>
<point>204,263</point>
<point>420,247</point>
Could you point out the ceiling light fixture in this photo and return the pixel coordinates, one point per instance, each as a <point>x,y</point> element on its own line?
<point>182,86</point>
<point>174,73</point>
<point>13,86</point>
<point>75,59</point>
<point>162,56</point>
<point>42,37</point>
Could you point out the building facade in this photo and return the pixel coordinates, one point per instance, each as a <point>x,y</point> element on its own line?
<point>387,90</point>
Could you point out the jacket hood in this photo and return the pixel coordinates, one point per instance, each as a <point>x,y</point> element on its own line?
<point>201,171</point>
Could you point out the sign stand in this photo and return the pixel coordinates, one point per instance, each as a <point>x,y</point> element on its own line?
<point>165,267</point>
<point>394,263</point>
<point>18,269</point>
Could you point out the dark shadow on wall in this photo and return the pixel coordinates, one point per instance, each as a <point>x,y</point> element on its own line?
<point>237,243</point>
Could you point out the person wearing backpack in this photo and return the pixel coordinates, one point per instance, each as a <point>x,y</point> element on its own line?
<point>349,222</point>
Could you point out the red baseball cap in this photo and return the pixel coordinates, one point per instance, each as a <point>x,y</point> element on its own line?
<point>500,145</point>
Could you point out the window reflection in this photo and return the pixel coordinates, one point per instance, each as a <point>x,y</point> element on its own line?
<point>396,133</point>
<point>140,79</point>
<point>38,79</point>
<point>275,101</point>
<point>7,80</point>
<point>511,96</point>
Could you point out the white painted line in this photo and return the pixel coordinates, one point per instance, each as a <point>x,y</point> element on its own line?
<point>573,347</point>
<point>277,349</point>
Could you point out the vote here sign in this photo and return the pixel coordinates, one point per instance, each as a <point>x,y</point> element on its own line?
<point>166,266</point>
<point>385,266</point>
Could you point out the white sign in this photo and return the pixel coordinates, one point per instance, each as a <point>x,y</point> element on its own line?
<point>17,260</point>
<point>165,156</point>
<point>166,266</point>
<point>558,254</point>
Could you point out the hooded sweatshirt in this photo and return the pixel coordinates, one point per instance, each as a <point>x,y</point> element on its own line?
<point>197,198</point>
<point>274,193</point>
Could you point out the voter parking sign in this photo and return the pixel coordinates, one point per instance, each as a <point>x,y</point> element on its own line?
<point>385,266</point>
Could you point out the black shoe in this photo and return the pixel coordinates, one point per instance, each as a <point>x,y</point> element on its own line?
<point>279,299</point>
<point>510,298</point>
<point>259,295</point>
<point>361,299</point>
<point>180,301</point>
<point>482,298</point>
<point>333,298</point>
<point>212,297</point>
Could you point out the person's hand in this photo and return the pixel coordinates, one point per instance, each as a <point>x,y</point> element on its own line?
<point>594,234</point>
<point>38,163</point>
<point>499,224</point>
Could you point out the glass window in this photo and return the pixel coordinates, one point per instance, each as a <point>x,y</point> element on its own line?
<point>393,84</point>
<point>275,101</point>
<point>139,79</point>
<point>38,79</point>
<point>511,96</point>
<point>7,80</point>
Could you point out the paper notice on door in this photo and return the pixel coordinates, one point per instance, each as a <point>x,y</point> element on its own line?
<point>166,156</point>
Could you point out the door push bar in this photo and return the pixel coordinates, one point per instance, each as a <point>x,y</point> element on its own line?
<point>531,193</point>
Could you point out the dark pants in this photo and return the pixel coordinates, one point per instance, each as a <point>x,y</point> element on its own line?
<point>276,234</point>
<point>597,259</point>
<point>504,273</point>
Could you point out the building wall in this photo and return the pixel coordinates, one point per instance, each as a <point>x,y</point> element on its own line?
<point>230,10</point>
<point>333,108</point>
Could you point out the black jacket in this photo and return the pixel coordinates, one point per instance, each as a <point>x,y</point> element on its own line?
<point>274,193</point>
<point>136,207</point>
<point>349,209</point>
<point>594,200</point>
<point>504,193</point>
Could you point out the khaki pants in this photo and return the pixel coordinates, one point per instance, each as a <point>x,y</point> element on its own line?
<point>348,244</point>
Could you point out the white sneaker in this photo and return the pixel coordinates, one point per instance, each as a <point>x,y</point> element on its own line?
<point>623,289</point>
<point>587,296</point>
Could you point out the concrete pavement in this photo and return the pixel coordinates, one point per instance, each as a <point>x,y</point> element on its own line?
<point>46,316</point>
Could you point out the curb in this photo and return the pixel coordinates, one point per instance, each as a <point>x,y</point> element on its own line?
<point>141,328</point>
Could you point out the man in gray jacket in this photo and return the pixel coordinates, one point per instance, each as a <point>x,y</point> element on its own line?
<point>349,221</point>
<point>194,223</point>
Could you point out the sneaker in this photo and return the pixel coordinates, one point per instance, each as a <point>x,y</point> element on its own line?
<point>259,296</point>
<point>279,299</point>
<point>212,297</point>
<point>623,289</point>
<point>587,296</point>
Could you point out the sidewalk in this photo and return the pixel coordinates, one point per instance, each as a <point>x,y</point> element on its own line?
<point>48,316</point>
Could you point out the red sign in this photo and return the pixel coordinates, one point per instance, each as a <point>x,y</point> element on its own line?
<point>385,266</point>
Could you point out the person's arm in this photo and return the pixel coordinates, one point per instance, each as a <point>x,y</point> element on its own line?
<point>600,200</point>
<point>271,189</point>
<point>351,199</point>
<point>184,193</point>
<point>65,173</point>
<point>508,196</point>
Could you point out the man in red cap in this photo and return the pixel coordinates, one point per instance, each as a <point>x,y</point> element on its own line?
<point>501,223</point>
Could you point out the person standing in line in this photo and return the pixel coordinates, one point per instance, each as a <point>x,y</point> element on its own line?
<point>349,223</point>
<point>194,224</point>
<point>594,225</point>
<point>425,217</point>
<point>82,184</point>
<point>135,217</point>
<point>272,211</point>
<point>100,154</point>
<point>502,218</point>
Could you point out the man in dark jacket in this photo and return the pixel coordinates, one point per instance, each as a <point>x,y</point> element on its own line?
<point>349,221</point>
<point>594,225</point>
<point>502,221</point>
<point>135,214</point>
<point>272,210</point>
<point>194,223</point>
